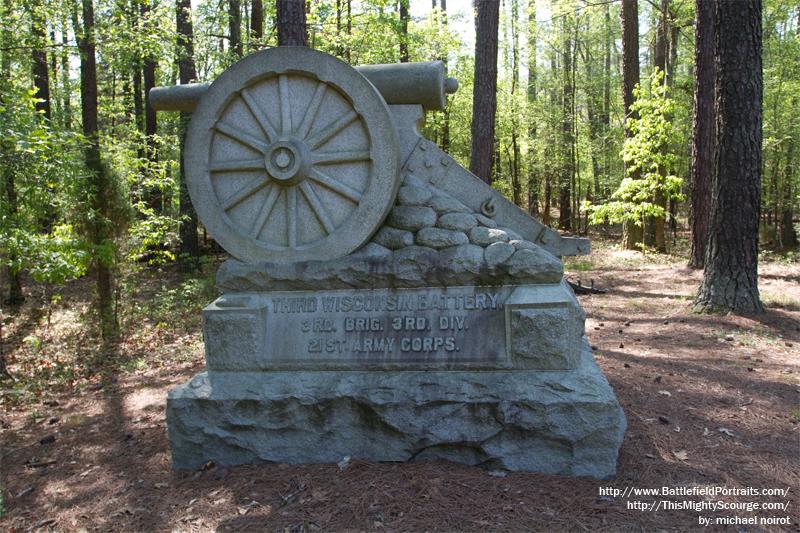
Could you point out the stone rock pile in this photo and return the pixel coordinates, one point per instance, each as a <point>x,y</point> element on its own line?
<point>429,238</point>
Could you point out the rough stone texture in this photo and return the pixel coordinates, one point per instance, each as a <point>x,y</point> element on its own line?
<point>566,423</point>
<point>457,221</point>
<point>483,220</point>
<point>444,204</point>
<point>522,245</point>
<point>411,218</point>
<point>440,238</point>
<point>393,238</point>
<point>498,252</point>
<point>546,338</point>
<point>376,267</point>
<point>512,235</point>
<point>429,164</point>
<point>528,262</point>
<point>485,236</point>
<point>413,195</point>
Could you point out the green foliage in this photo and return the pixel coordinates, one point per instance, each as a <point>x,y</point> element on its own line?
<point>647,158</point>
<point>41,168</point>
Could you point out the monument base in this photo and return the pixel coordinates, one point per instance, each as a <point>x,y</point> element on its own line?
<point>555,422</point>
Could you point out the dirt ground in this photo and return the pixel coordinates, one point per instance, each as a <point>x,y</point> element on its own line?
<point>710,401</point>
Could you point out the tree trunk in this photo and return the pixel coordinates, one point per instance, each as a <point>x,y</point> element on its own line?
<point>235,27</point>
<point>66,90</point>
<point>189,249</point>
<point>152,193</point>
<point>702,165</point>
<point>402,11</point>
<point>484,93</point>
<point>533,178</point>
<point>516,182</point>
<point>446,112</point>
<point>98,181</point>
<point>291,15</point>
<point>787,236</point>
<point>731,266</point>
<point>349,27</point>
<point>41,79</point>
<point>654,234</point>
<point>567,174</point>
<point>256,24</point>
<point>629,14</point>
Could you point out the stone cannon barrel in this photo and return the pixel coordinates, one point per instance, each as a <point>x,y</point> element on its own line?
<point>422,83</point>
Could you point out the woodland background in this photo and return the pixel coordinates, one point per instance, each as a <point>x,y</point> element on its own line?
<point>595,123</point>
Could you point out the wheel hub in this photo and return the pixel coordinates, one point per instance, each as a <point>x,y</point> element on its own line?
<point>287,161</point>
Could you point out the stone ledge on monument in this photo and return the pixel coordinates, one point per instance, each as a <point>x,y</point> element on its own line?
<point>429,239</point>
<point>528,327</point>
<point>558,422</point>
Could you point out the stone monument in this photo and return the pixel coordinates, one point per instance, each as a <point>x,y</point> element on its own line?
<point>381,302</point>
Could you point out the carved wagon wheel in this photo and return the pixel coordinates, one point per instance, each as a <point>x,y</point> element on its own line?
<point>291,156</point>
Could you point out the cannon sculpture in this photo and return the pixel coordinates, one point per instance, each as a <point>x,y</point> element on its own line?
<point>381,302</point>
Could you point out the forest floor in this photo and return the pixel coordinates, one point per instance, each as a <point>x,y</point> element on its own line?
<point>710,401</point>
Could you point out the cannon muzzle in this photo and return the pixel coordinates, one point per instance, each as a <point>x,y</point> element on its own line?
<point>422,83</point>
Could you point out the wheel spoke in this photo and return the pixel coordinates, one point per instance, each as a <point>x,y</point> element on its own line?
<point>291,211</point>
<point>286,110</point>
<point>266,209</point>
<point>237,164</point>
<point>311,112</point>
<point>242,137</point>
<point>263,121</point>
<point>345,156</point>
<point>317,207</point>
<point>332,129</point>
<point>339,188</point>
<point>245,192</point>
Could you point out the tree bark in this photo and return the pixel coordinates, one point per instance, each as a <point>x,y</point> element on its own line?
<point>567,174</point>
<point>189,249</point>
<point>149,64</point>
<point>484,93</point>
<point>98,181</point>
<point>654,231</point>
<point>235,27</point>
<point>402,11</point>
<point>787,236</point>
<point>41,78</point>
<point>256,23</point>
<point>629,14</point>
<point>702,164</point>
<point>731,266</point>
<point>533,178</point>
<point>66,89</point>
<point>291,15</point>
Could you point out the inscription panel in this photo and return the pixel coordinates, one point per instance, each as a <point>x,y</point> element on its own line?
<point>420,328</point>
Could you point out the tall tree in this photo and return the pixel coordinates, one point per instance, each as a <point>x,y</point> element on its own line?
<point>533,178</point>
<point>98,182</point>
<point>189,250</point>
<point>291,15</point>
<point>514,160</point>
<point>629,15</point>
<point>402,12</point>
<point>484,92</point>
<point>66,88</point>
<point>702,164</point>
<point>235,27</point>
<point>730,281</point>
<point>256,23</point>
<point>654,230</point>
<point>567,174</point>
<point>149,66</point>
<point>41,79</point>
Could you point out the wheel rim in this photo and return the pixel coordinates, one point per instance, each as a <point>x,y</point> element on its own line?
<point>292,156</point>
